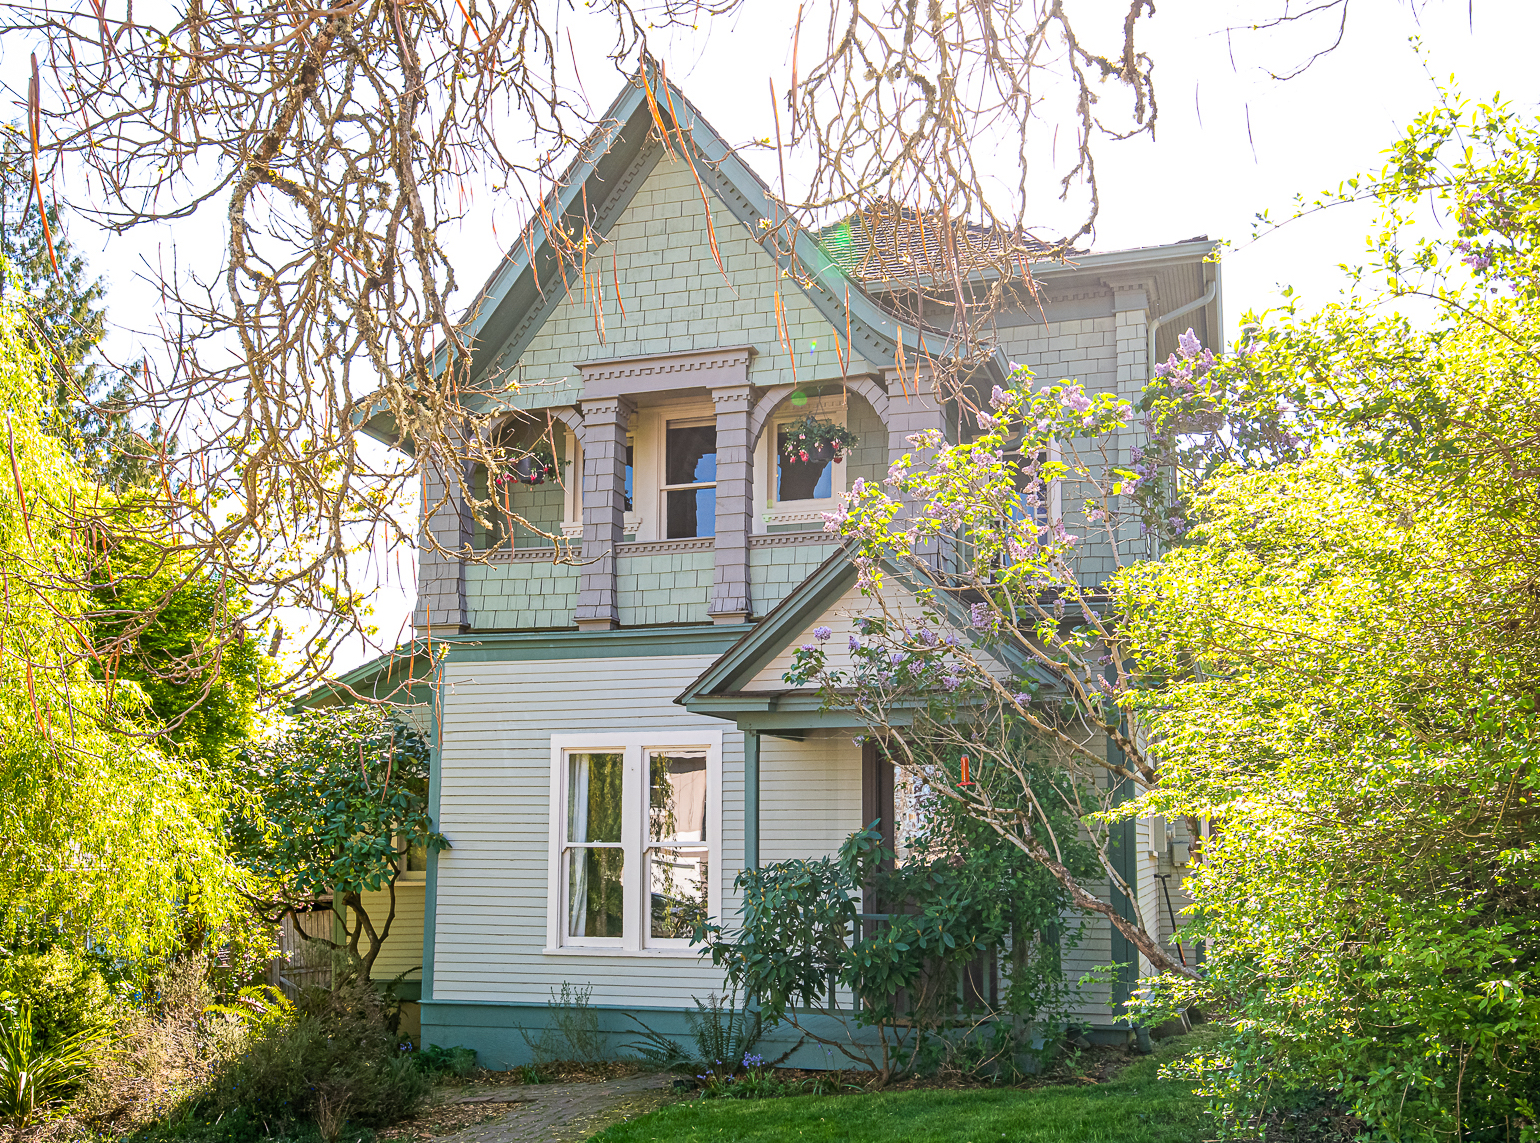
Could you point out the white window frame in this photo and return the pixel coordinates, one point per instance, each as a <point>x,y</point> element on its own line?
<point>633,839</point>
<point>830,408</point>
<point>662,490</point>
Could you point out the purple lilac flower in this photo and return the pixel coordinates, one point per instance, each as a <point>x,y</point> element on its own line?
<point>897,658</point>
<point>821,633</point>
<point>926,638</point>
<point>1076,399</point>
<point>986,422</point>
<point>1189,344</point>
<point>1023,698</point>
<point>855,643</point>
<point>951,682</point>
<point>980,616</point>
<point>808,647</point>
<point>996,397</point>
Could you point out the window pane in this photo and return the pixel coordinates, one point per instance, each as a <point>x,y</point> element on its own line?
<point>691,456</point>
<point>630,453</point>
<point>679,880</point>
<point>595,883</point>
<point>678,799</point>
<point>594,783</point>
<point>692,512</point>
<point>812,479</point>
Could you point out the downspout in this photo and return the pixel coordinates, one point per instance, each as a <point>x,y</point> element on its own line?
<point>751,799</point>
<point>1213,292</point>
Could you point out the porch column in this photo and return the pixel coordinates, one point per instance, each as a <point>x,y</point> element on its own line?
<point>605,421</point>
<point>446,521</point>
<point>735,501</point>
<point>751,799</point>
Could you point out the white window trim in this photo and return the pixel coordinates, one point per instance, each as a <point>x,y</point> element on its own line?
<point>633,842</point>
<point>660,489</point>
<point>800,511</point>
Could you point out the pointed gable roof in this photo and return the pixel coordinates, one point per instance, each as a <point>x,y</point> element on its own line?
<point>727,689</point>
<point>533,277</point>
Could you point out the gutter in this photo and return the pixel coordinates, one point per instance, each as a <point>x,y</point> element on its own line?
<point>1213,292</point>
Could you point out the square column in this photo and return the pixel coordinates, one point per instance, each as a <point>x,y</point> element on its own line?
<point>735,501</point>
<point>447,526</point>
<point>605,423</point>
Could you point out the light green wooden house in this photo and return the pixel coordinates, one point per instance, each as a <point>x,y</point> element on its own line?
<point>568,690</point>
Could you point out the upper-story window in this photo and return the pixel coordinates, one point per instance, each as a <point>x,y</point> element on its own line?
<point>690,479</point>
<point>522,505</point>
<point>799,491</point>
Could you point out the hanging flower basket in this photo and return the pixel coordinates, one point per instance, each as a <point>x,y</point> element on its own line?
<point>816,441</point>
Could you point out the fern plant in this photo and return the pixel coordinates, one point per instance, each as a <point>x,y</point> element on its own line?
<point>725,1035</point>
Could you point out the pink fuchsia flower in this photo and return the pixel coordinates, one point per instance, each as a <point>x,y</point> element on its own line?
<point>1188,343</point>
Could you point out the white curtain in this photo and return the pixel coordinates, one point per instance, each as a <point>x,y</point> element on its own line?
<point>577,859</point>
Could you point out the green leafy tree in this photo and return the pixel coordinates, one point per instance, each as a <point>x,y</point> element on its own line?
<point>334,809</point>
<point>90,406</point>
<point>1342,654</point>
<point>102,836</point>
<point>170,629</point>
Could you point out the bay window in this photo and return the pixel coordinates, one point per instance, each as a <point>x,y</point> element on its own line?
<point>635,840</point>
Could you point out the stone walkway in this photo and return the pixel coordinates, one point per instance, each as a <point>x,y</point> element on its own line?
<point>564,1112</point>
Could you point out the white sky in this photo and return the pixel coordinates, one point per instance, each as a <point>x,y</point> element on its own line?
<point>1204,173</point>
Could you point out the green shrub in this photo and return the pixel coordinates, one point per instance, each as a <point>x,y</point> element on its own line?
<point>35,1077</point>
<point>440,1061</point>
<point>66,995</point>
<point>166,1049</point>
<point>327,1057</point>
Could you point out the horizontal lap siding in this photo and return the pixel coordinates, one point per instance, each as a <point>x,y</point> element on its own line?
<point>498,719</point>
<point>810,795</point>
<point>402,951</point>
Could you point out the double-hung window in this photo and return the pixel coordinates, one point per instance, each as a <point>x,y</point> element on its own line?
<point>690,479</point>
<point>635,839</point>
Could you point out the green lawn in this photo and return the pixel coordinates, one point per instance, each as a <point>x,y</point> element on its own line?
<point>1136,1107</point>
